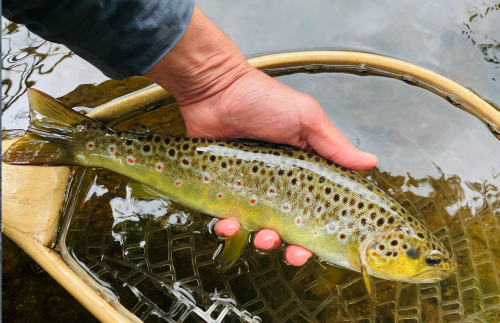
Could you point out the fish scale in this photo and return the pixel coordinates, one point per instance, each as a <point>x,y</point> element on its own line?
<point>308,200</point>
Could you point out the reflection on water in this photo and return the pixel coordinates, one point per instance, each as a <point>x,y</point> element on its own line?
<point>488,45</point>
<point>19,64</point>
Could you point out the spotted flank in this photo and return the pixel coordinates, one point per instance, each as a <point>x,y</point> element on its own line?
<point>308,200</point>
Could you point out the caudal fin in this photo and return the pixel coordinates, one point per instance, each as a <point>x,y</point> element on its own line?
<point>52,125</point>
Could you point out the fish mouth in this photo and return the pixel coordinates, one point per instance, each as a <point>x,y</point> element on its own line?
<point>432,275</point>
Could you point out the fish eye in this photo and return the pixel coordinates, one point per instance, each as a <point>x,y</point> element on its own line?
<point>433,258</point>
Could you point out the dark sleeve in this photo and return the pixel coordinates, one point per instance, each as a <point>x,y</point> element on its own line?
<point>122,38</point>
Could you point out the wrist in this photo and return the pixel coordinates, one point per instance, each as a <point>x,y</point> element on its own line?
<point>203,63</point>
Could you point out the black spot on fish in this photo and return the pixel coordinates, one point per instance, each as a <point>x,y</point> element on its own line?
<point>394,242</point>
<point>146,148</point>
<point>310,177</point>
<point>363,237</point>
<point>129,142</point>
<point>369,188</point>
<point>199,152</point>
<point>177,139</point>
<point>311,188</point>
<point>352,202</point>
<point>344,212</point>
<point>327,204</point>
<point>195,140</point>
<point>321,179</point>
<point>149,138</point>
<point>336,198</point>
<point>339,185</point>
<point>276,153</point>
<point>119,133</point>
<point>210,141</point>
<point>388,254</point>
<point>212,158</point>
<point>140,138</point>
<point>373,216</point>
<point>410,219</point>
<point>290,153</point>
<point>167,141</point>
<point>255,169</point>
<point>185,162</point>
<point>403,211</point>
<point>157,139</point>
<point>185,147</point>
<point>363,221</point>
<point>310,155</point>
<point>328,190</point>
<point>391,220</point>
<point>347,190</point>
<point>317,159</point>
<point>370,206</point>
<point>171,152</point>
<point>238,161</point>
<point>405,246</point>
<point>342,236</point>
<point>361,205</point>
<point>394,208</point>
<point>343,169</point>
<point>345,200</point>
<point>420,235</point>
<point>224,165</point>
<point>413,254</point>
<point>262,171</point>
<point>294,181</point>
<point>281,172</point>
<point>381,247</point>
<point>290,173</point>
<point>382,210</point>
<point>301,157</point>
<point>380,222</point>
<point>103,127</point>
<point>329,162</point>
<point>395,254</point>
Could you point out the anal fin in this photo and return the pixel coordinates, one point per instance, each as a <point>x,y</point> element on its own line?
<point>143,191</point>
<point>233,248</point>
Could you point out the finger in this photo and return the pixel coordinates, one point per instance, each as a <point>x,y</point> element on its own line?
<point>226,228</point>
<point>267,240</point>
<point>330,143</point>
<point>297,255</point>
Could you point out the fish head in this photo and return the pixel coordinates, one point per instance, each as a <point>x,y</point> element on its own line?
<point>406,255</point>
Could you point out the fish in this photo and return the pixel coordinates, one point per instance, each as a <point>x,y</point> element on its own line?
<point>308,200</point>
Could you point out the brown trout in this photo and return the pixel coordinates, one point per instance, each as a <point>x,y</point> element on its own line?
<point>308,200</point>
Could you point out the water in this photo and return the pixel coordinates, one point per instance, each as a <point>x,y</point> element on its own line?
<point>439,162</point>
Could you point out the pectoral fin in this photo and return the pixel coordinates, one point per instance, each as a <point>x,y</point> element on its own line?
<point>233,248</point>
<point>355,261</point>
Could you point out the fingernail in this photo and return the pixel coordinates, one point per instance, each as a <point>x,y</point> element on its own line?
<point>369,155</point>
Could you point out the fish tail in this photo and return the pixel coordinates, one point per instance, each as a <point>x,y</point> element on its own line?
<point>46,142</point>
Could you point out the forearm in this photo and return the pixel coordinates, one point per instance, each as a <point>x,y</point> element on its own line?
<point>202,63</point>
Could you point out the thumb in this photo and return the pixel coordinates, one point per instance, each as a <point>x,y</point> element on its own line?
<point>326,140</point>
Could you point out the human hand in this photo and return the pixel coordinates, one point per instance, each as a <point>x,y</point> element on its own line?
<point>221,96</point>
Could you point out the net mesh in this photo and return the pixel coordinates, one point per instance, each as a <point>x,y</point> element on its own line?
<point>157,259</point>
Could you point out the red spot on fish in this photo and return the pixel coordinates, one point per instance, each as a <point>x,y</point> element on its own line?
<point>286,207</point>
<point>91,146</point>
<point>298,221</point>
<point>219,196</point>
<point>112,149</point>
<point>308,200</point>
<point>315,232</point>
<point>253,201</point>
<point>160,167</point>
<point>130,160</point>
<point>178,183</point>
<point>207,179</point>
<point>272,191</point>
<point>238,183</point>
